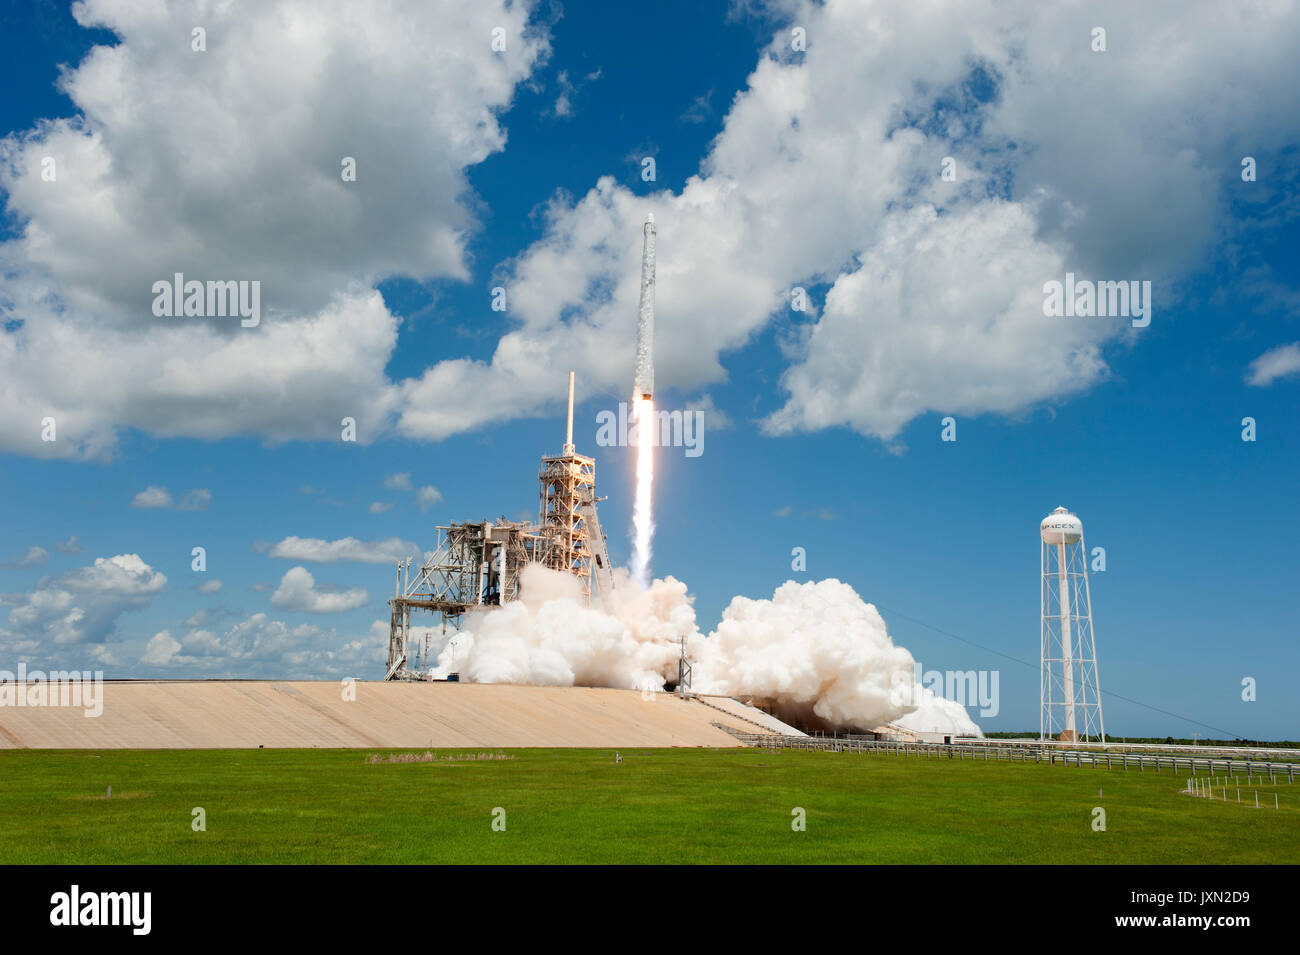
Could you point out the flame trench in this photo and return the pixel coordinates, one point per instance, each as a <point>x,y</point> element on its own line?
<point>643,528</point>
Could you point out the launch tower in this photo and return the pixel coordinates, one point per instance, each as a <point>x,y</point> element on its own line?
<point>570,528</point>
<point>477,565</point>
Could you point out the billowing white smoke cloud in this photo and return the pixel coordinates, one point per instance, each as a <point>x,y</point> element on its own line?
<point>815,650</point>
<point>934,714</point>
<point>816,653</point>
<point>550,637</point>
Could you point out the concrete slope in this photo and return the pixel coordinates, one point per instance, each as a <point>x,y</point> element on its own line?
<point>210,714</point>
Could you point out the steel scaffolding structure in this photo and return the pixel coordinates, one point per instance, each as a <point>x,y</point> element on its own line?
<point>473,565</point>
<point>1070,685</point>
<point>566,514</point>
<point>478,565</point>
<point>566,517</point>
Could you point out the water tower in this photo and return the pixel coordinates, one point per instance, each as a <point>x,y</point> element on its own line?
<point>1070,689</point>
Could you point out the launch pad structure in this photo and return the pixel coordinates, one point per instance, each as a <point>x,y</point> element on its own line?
<point>477,565</point>
<point>571,536</point>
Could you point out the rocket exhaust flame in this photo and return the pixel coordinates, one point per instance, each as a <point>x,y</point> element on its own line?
<point>643,411</point>
<point>642,519</point>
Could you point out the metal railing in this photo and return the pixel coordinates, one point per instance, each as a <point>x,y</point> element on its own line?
<point>1025,753</point>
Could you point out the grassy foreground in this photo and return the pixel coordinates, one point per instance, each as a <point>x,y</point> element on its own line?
<point>332,806</point>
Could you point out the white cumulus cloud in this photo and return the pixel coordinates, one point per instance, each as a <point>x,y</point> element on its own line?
<point>153,497</point>
<point>298,591</point>
<point>827,172</point>
<point>227,165</point>
<point>316,550</point>
<point>428,496</point>
<point>35,557</point>
<point>160,650</point>
<point>1280,362</point>
<point>83,605</point>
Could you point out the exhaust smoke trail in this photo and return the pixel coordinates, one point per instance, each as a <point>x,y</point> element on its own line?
<point>643,416</point>
<point>643,410</point>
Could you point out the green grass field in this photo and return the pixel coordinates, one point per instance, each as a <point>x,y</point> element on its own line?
<point>703,806</point>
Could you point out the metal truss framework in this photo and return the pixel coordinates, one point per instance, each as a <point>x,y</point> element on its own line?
<point>566,513</point>
<point>478,565</point>
<point>473,565</point>
<point>570,528</point>
<point>1070,686</point>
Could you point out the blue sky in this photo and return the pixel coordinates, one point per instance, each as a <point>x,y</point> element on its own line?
<point>822,429</point>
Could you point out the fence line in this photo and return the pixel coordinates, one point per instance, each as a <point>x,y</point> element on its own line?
<point>1216,788</point>
<point>1025,753</point>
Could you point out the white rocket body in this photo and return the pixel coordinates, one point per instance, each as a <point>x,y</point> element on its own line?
<point>644,384</point>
